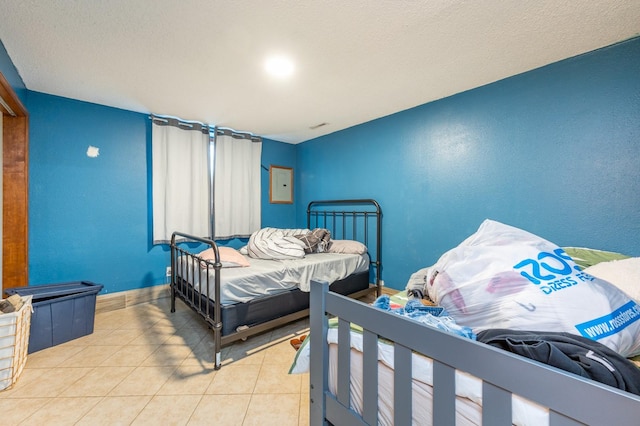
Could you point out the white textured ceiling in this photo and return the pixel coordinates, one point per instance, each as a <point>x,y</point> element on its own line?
<point>356,60</point>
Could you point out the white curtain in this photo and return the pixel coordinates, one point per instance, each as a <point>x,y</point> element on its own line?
<point>180,179</point>
<point>237,185</point>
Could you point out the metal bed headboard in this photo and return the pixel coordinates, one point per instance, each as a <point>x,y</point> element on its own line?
<point>350,219</point>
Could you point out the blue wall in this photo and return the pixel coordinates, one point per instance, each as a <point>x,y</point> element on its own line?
<point>277,154</point>
<point>555,151</point>
<point>90,218</point>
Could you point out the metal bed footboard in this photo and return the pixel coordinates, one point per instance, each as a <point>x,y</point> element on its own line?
<point>204,304</point>
<point>571,400</point>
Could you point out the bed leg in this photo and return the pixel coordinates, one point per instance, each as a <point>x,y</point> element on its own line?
<point>173,298</point>
<point>217,337</point>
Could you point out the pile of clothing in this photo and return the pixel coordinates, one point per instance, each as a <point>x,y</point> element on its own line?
<point>434,316</point>
<point>11,304</point>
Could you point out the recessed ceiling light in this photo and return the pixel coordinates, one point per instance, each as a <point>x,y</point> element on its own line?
<point>279,66</point>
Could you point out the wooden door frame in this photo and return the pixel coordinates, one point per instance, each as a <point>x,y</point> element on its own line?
<point>15,189</point>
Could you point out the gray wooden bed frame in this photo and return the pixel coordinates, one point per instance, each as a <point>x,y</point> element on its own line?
<point>571,399</point>
<point>358,219</point>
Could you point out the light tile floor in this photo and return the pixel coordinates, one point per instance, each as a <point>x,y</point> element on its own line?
<point>144,365</point>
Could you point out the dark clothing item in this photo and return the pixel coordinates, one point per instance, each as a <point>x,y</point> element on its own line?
<point>318,240</point>
<point>569,352</point>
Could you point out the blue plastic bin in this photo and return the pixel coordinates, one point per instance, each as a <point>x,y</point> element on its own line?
<point>61,312</point>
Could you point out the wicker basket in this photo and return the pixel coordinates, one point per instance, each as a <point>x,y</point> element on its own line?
<point>14,343</point>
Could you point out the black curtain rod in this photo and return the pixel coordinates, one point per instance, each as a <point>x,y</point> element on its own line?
<point>196,125</point>
<point>182,124</point>
<point>237,135</point>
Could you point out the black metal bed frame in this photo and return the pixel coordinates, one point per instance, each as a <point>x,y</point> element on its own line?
<point>341,217</point>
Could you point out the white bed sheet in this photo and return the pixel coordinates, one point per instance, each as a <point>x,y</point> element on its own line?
<point>268,277</point>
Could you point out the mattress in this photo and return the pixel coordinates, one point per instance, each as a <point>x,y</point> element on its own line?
<point>266,308</point>
<point>270,277</point>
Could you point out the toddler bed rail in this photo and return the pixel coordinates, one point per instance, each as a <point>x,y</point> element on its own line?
<point>570,399</point>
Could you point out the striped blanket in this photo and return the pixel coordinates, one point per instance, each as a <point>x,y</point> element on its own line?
<point>276,243</point>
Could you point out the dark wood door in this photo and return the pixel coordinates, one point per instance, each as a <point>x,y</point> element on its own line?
<point>15,188</point>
